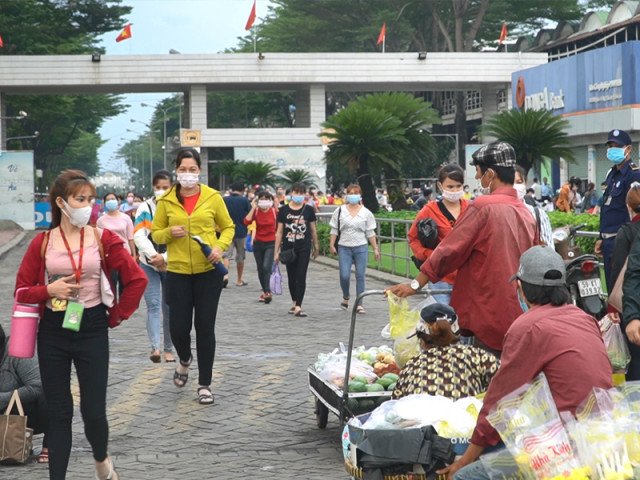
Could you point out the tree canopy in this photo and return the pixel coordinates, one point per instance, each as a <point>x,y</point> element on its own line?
<point>67,124</point>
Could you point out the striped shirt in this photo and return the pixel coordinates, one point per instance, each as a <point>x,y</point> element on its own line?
<point>546,233</point>
<point>354,230</point>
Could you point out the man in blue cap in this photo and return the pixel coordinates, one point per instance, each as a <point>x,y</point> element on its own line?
<point>614,213</point>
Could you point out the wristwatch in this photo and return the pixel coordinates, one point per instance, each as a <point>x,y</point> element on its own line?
<point>415,285</point>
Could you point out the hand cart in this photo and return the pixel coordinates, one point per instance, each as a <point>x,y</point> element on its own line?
<point>341,402</point>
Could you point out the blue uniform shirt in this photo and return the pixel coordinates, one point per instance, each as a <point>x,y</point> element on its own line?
<point>238,206</point>
<point>614,213</point>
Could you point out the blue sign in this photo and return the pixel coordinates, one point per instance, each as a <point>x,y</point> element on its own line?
<point>42,214</point>
<point>597,79</point>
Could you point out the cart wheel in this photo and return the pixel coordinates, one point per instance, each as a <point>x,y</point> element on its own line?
<point>322,414</point>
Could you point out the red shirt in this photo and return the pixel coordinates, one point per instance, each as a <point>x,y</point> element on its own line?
<point>563,342</point>
<point>485,247</point>
<point>265,225</point>
<point>31,275</point>
<point>190,202</point>
<point>431,210</point>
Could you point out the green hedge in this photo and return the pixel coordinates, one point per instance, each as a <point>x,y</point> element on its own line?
<point>592,224</point>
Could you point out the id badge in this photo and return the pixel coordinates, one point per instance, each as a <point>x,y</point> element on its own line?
<point>608,202</point>
<point>73,316</point>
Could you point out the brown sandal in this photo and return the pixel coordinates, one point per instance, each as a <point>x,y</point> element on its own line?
<point>43,457</point>
<point>155,356</point>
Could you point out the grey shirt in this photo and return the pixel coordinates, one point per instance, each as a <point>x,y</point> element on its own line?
<point>18,373</point>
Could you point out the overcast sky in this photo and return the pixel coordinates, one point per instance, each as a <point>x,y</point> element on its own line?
<point>188,26</point>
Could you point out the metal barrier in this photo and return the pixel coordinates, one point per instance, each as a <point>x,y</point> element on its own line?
<point>396,258</point>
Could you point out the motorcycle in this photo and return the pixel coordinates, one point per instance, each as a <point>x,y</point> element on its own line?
<point>583,272</point>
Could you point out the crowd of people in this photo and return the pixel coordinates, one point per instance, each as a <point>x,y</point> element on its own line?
<point>501,286</point>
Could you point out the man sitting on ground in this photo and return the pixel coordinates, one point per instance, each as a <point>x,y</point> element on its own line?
<point>552,336</point>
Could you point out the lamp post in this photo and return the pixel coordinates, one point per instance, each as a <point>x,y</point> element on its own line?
<point>150,147</point>
<point>164,135</point>
<point>141,160</point>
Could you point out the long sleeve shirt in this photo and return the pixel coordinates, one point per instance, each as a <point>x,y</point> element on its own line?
<point>22,374</point>
<point>563,342</point>
<point>431,210</point>
<point>142,231</point>
<point>485,247</point>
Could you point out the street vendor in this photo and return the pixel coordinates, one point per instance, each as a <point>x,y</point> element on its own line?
<point>445,367</point>
<point>551,336</point>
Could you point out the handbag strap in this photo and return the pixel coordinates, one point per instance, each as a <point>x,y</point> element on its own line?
<point>15,400</point>
<point>446,213</point>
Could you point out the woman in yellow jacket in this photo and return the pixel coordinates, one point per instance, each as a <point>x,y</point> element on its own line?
<point>193,282</point>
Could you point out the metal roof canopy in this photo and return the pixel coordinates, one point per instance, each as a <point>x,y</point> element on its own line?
<point>77,74</point>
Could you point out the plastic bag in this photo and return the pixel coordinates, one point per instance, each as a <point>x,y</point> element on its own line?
<point>248,243</point>
<point>335,367</point>
<point>500,465</point>
<point>529,424</point>
<point>275,281</point>
<point>617,348</point>
<point>402,323</point>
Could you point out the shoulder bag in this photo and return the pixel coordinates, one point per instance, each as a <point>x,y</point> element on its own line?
<point>15,437</point>
<point>288,255</point>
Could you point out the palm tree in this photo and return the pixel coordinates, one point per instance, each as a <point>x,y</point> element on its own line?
<point>533,134</point>
<point>253,173</point>
<point>297,175</point>
<point>380,132</point>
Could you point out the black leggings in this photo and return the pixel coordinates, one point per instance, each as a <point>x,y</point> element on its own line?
<point>297,276</point>
<point>263,253</point>
<point>186,293</point>
<point>88,349</point>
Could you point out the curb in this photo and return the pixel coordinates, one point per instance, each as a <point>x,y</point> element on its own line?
<point>15,241</point>
<point>385,277</point>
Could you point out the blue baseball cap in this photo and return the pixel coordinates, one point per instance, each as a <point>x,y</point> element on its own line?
<point>619,137</point>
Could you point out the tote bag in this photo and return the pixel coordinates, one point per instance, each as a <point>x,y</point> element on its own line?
<point>15,437</point>
<point>275,282</point>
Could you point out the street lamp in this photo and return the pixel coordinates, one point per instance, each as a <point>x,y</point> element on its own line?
<point>35,135</point>
<point>21,116</point>
<point>150,147</point>
<point>164,135</point>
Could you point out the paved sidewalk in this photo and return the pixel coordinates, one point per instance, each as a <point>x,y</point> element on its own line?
<point>262,424</point>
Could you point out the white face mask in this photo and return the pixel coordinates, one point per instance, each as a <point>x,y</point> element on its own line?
<point>452,196</point>
<point>159,193</point>
<point>264,204</point>
<point>78,217</point>
<point>188,180</point>
<point>484,190</point>
<point>521,190</point>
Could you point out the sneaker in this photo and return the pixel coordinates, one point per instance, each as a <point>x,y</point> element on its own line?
<point>267,298</point>
<point>261,299</point>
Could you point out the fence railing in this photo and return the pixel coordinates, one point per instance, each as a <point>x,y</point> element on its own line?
<point>395,254</point>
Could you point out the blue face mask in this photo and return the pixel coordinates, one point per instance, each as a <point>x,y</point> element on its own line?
<point>297,198</point>
<point>111,205</point>
<point>354,198</point>
<point>615,155</point>
<point>523,304</point>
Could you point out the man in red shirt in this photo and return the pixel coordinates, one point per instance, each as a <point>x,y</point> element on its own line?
<point>552,336</point>
<point>485,246</point>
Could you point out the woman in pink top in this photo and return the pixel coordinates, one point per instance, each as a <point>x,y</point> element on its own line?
<point>118,222</point>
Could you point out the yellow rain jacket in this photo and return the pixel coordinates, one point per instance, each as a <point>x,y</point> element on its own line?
<point>210,214</point>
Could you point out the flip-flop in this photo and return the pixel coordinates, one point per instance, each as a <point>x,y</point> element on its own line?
<point>241,284</point>
<point>169,358</point>
<point>344,305</point>
<point>43,457</point>
<point>291,311</point>
<point>300,313</point>
<point>155,356</point>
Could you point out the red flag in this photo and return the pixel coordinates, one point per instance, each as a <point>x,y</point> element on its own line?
<point>503,34</point>
<point>252,17</point>
<point>125,33</point>
<point>1,42</point>
<point>383,34</point>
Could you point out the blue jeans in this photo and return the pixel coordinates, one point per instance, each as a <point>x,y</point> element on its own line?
<point>441,297</point>
<point>157,308</point>
<point>473,471</point>
<point>348,256</point>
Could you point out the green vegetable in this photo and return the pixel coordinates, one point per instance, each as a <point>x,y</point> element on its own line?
<point>374,387</point>
<point>366,405</point>
<point>391,387</point>
<point>361,379</point>
<point>385,382</point>
<point>352,404</point>
<point>357,387</point>
<point>391,376</point>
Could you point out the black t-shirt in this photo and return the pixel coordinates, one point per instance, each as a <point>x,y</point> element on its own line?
<point>296,232</point>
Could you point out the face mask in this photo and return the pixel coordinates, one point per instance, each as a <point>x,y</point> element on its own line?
<point>264,204</point>
<point>523,304</point>
<point>297,198</point>
<point>521,190</point>
<point>78,217</point>
<point>354,199</point>
<point>159,193</point>
<point>452,196</point>
<point>484,190</point>
<point>188,180</point>
<point>130,200</point>
<point>111,205</point>
<point>615,155</point>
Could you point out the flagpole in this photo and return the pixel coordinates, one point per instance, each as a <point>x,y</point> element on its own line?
<point>254,40</point>
<point>384,42</point>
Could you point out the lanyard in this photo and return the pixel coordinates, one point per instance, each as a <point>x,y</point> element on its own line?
<point>78,270</point>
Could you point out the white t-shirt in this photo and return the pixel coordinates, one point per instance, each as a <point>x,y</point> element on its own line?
<point>354,230</point>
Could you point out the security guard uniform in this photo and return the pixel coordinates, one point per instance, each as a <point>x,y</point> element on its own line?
<point>614,213</point>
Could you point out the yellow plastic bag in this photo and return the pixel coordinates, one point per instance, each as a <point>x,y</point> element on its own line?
<point>402,323</point>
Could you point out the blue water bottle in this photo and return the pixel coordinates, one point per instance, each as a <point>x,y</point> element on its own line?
<point>220,269</point>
